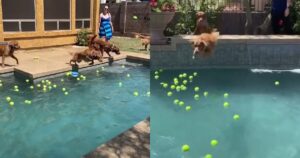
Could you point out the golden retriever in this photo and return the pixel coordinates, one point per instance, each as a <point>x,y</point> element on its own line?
<point>8,49</point>
<point>204,44</point>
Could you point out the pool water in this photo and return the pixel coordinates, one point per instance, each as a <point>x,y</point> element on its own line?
<point>269,115</point>
<point>55,125</point>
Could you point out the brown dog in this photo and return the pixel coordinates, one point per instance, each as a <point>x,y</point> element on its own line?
<point>88,55</point>
<point>202,24</point>
<point>144,39</point>
<point>102,46</point>
<point>205,43</point>
<point>8,49</point>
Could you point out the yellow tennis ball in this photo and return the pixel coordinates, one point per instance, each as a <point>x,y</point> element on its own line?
<point>226,104</point>
<point>120,84</point>
<point>169,94</point>
<point>196,89</point>
<point>148,93</point>
<point>11,103</point>
<point>188,108</point>
<point>128,75</point>
<point>8,99</point>
<point>181,103</point>
<point>185,148</point>
<point>236,117</point>
<point>184,81</point>
<point>16,87</point>
<point>173,87</point>
<point>196,97</point>
<point>178,88</point>
<point>1,84</point>
<point>135,93</point>
<point>62,80</point>
<point>277,83</point>
<point>27,80</point>
<point>214,143</point>
<point>156,72</point>
<point>226,95</point>
<point>165,85</point>
<point>54,86</point>
<point>31,87</point>
<point>183,88</point>
<point>205,93</point>
<point>208,156</point>
<point>176,101</point>
<point>195,73</point>
<point>38,85</point>
<point>63,89</point>
<point>66,93</point>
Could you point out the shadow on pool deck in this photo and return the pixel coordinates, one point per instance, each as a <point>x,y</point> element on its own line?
<point>134,143</point>
<point>37,63</point>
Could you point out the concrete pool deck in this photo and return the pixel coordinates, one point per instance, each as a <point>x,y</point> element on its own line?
<point>232,51</point>
<point>43,62</point>
<point>134,143</point>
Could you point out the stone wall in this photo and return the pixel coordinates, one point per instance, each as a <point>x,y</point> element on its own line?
<point>266,52</point>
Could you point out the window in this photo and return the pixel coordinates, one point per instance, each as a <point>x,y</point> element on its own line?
<point>83,10</point>
<point>57,14</point>
<point>18,18</point>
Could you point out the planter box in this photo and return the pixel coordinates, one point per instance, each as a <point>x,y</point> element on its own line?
<point>158,23</point>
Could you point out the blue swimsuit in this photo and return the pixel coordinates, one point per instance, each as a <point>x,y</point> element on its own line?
<point>105,29</point>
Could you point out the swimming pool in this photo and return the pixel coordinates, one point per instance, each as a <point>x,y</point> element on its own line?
<point>267,126</point>
<point>56,125</point>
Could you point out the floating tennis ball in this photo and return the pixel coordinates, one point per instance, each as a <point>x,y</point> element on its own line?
<point>195,73</point>
<point>128,75</point>
<point>97,71</point>
<point>38,85</point>
<point>156,72</point>
<point>176,101</point>
<point>63,89</point>
<point>188,108</point>
<point>11,103</point>
<point>102,68</point>
<point>178,88</point>
<point>123,66</point>
<point>156,77</point>
<point>185,148</point>
<point>0,81</point>
<point>184,81</point>
<point>120,84</point>
<point>191,77</point>
<point>196,89</point>
<point>226,95</point>
<point>1,84</point>
<point>78,79</point>
<point>169,94</point>
<point>62,80</point>
<point>180,76</point>
<point>184,75</point>
<point>16,90</point>
<point>183,88</point>
<point>8,99</point>
<point>31,87</point>
<point>208,156</point>
<point>135,17</point>
<point>27,80</point>
<point>236,117</point>
<point>43,81</point>
<point>196,97</point>
<point>181,103</point>
<point>277,83</point>
<point>66,93</point>
<point>54,86</point>
<point>148,93</point>
<point>176,82</point>
<point>226,104</point>
<point>45,89</point>
<point>50,87</point>
<point>84,78</point>
<point>136,93</point>
<point>29,102</point>
<point>16,87</point>
<point>165,85</point>
<point>205,93</point>
<point>214,143</point>
<point>173,87</point>
<point>160,70</point>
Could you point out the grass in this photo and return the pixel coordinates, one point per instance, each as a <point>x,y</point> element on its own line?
<point>129,44</point>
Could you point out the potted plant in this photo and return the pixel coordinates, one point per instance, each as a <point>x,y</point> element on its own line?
<point>162,13</point>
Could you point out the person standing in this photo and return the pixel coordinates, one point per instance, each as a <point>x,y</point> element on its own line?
<point>280,16</point>
<point>105,25</point>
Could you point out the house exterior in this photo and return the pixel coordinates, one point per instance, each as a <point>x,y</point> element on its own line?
<point>44,23</point>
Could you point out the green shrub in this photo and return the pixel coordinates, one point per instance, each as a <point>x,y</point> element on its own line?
<point>82,37</point>
<point>295,16</point>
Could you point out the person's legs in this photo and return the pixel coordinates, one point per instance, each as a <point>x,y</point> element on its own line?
<point>275,23</point>
<point>288,28</point>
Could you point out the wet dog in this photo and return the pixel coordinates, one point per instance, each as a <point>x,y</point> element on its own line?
<point>202,24</point>
<point>88,55</point>
<point>7,49</point>
<point>204,44</point>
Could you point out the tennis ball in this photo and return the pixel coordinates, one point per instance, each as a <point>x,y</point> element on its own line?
<point>169,94</point>
<point>135,93</point>
<point>45,89</point>
<point>184,75</point>
<point>160,70</point>
<point>128,75</point>
<point>62,80</point>
<point>277,83</point>
<point>16,87</point>
<point>50,87</point>
<point>0,81</point>
<point>1,84</point>
<point>205,93</point>
<point>208,156</point>
<point>176,101</point>
<point>97,71</point>
<point>176,82</point>
<point>214,143</point>
<point>196,89</point>
<point>226,104</point>
<point>173,87</point>
<point>156,77</point>
<point>183,88</point>
<point>123,66</point>
<point>8,99</point>
<point>54,86</point>
<point>66,93</point>
<point>43,81</point>
<point>135,17</point>
<point>63,89</point>
<point>27,80</point>
<point>102,68</point>
<point>185,148</point>
<point>180,76</point>
<point>156,72</point>
<point>29,102</point>
<point>78,79</point>
<point>165,85</point>
<point>191,77</point>
<point>184,81</point>
<point>120,84</point>
<point>148,93</point>
<point>178,88</point>
<point>226,95</point>
<point>196,97</point>
<point>31,87</point>
<point>188,108</point>
<point>195,73</point>
<point>38,85</point>
<point>11,103</point>
<point>16,90</point>
<point>236,117</point>
<point>181,103</point>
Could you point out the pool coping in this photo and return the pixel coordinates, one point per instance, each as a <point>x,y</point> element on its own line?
<point>133,143</point>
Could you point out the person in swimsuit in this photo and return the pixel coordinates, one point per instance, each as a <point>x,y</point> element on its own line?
<point>280,16</point>
<point>105,25</point>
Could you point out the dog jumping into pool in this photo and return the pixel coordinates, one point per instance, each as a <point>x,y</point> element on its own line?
<point>7,49</point>
<point>87,55</point>
<point>102,46</point>
<point>204,44</point>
